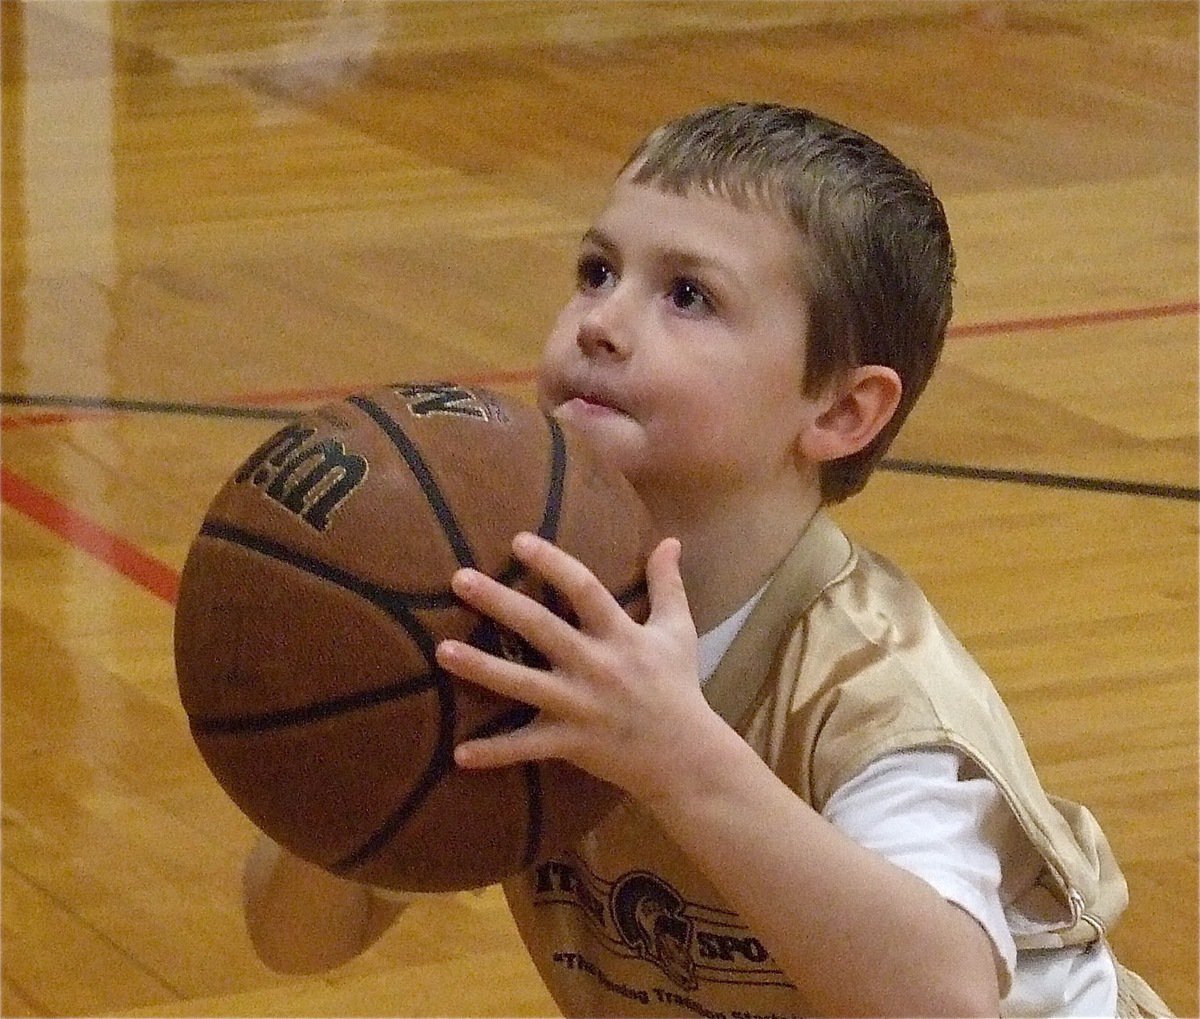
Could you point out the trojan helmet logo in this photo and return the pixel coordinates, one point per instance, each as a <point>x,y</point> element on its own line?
<point>650,917</point>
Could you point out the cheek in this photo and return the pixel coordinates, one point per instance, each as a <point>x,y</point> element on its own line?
<point>542,384</point>
<point>697,423</point>
<point>744,416</point>
<point>556,349</point>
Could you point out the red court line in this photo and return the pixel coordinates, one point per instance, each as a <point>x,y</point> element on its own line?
<point>522,376</point>
<point>498,377</point>
<point>81,532</point>
<point>161,580</point>
<point>1086,318</point>
<point>56,417</point>
<point>519,376</point>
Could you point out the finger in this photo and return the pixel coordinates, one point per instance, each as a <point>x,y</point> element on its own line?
<point>516,611</point>
<point>664,583</point>
<point>529,743</point>
<point>518,682</point>
<point>593,604</point>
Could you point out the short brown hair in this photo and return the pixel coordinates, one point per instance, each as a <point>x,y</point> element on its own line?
<point>880,264</point>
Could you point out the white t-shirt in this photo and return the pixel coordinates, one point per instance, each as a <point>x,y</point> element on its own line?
<point>932,813</point>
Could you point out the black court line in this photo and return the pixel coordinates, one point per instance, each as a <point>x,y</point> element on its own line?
<point>211,410</point>
<point>1043,479</point>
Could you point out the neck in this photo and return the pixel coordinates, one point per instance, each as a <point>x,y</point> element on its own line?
<point>732,545</point>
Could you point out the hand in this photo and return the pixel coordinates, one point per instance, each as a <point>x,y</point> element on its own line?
<point>617,696</point>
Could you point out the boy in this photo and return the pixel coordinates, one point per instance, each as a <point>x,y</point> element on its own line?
<point>828,810</point>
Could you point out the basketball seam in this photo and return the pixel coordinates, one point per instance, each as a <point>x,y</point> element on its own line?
<point>548,529</point>
<point>311,713</point>
<point>439,764</point>
<point>455,536</point>
<point>552,514</point>
<point>442,755</point>
<point>509,720</point>
<point>398,606</point>
<point>424,476</point>
<point>395,603</point>
<point>534,801</point>
<point>634,592</point>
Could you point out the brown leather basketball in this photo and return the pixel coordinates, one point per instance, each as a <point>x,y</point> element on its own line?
<point>313,598</point>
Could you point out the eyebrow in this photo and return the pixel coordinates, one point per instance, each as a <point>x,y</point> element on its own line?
<point>597,237</point>
<point>682,257</point>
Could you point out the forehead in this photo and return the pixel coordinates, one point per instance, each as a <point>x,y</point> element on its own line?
<point>748,236</point>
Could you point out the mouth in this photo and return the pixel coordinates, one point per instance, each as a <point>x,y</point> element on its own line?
<point>592,401</point>
<point>593,406</point>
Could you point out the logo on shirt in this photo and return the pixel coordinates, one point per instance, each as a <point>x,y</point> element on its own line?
<point>649,915</point>
<point>642,916</point>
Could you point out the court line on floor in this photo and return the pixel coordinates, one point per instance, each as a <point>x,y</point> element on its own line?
<point>80,531</point>
<point>1073,321</point>
<point>1043,323</point>
<point>103,405</point>
<point>158,578</point>
<point>971,472</point>
<point>1042,479</point>
<point>251,405</point>
<point>162,580</point>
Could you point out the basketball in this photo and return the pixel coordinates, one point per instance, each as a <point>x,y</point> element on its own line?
<point>312,600</point>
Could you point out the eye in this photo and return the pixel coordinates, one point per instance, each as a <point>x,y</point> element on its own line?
<point>687,295</point>
<point>592,272</point>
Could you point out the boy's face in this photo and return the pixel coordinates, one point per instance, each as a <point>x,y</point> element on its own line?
<point>681,353</point>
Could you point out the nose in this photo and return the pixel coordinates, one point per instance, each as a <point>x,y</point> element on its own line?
<point>604,331</point>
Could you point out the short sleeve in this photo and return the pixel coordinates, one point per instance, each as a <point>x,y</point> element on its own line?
<point>914,808</point>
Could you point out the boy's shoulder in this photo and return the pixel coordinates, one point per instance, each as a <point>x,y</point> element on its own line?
<point>845,658</point>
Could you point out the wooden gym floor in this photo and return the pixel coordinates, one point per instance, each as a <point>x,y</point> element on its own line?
<point>216,213</point>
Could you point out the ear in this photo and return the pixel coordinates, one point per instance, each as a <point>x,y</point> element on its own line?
<point>851,412</point>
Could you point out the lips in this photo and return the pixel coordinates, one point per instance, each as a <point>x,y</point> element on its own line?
<point>593,398</point>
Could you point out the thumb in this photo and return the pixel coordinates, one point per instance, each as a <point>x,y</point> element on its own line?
<point>664,583</point>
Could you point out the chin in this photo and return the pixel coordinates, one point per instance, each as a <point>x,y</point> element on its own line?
<point>612,452</point>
